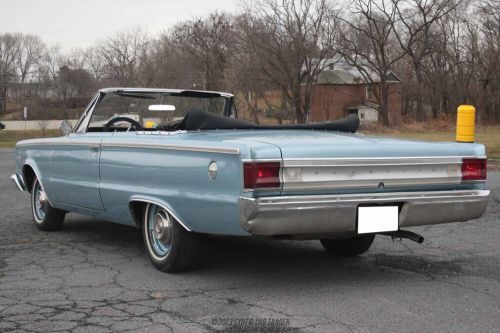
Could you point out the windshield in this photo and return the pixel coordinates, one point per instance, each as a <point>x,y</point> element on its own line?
<point>118,111</point>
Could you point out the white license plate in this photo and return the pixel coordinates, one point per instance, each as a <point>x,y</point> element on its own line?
<point>377,219</point>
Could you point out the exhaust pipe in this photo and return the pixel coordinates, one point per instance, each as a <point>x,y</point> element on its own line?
<point>405,234</point>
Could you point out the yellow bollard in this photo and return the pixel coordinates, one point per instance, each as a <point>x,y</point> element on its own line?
<point>466,120</point>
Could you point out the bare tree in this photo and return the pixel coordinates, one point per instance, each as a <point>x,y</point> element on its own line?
<point>170,66</point>
<point>30,54</point>
<point>122,55</point>
<point>487,51</point>
<point>242,74</point>
<point>208,41</point>
<point>42,125</point>
<point>412,28</point>
<point>452,41</point>
<point>367,42</point>
<point>9,52</point>
<point>75,72</point>
<point>52,62</point>
<point>291,40</point>
<point>94,62</point>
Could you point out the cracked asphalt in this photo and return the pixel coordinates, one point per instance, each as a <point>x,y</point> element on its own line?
<point>94,276</point>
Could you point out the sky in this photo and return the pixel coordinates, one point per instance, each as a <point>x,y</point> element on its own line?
<point>72,24</point>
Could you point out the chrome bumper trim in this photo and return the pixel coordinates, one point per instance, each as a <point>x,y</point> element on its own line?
<point>363,173</point>
<point>317,214</point>
<point>19,182</point>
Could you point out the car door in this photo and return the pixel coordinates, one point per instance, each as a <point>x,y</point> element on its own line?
<point>74,175</point>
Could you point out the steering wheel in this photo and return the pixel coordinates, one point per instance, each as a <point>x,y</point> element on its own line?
<point>132,122</point>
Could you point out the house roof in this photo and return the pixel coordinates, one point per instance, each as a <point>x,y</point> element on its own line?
<point>340,72</point>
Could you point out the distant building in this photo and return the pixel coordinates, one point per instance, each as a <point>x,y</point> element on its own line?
<point>341,89</point>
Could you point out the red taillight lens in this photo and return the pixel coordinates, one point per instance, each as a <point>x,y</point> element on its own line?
<point>473,169</point>
<point>261,175</point>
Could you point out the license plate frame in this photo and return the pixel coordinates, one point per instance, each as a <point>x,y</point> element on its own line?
<point>374,219</point>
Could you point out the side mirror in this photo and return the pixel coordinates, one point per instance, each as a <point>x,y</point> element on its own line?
<point>65,127</point>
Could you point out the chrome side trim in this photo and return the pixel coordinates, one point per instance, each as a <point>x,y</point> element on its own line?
<point>19,182</point>
<point>56,143</point>
<point>159,133</point>
<point>323,214</point>
<point>158,203</point>
<point>249,160</point>
<point>204,149</point>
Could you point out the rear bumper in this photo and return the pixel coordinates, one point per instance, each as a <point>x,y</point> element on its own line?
<point>325,214</point>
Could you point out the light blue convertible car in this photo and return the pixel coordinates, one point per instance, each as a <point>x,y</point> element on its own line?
<point>178,164</point>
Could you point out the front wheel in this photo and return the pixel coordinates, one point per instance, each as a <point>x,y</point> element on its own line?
<point>47,218</point>
<point>170,247</point>
<point>348,247</point>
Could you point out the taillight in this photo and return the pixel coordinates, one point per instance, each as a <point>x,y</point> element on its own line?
<point>473,169</point>
<point>261,175</point>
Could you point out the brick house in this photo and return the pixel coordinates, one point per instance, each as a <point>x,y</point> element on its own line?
<point>341,90</point>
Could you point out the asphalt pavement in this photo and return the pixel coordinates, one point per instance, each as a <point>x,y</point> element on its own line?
<point>94,276</point>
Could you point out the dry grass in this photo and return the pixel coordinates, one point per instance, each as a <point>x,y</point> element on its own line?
<point>9,138</point>
<point>436,131</point>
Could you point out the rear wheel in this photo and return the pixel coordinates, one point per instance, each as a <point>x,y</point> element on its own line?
<point>47,218</point>
<point>348,247</point>
<point>170,247</point>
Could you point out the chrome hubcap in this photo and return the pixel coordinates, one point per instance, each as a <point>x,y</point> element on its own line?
<point>162,227</point>
<point>40,202</point>
<point>159,224</point>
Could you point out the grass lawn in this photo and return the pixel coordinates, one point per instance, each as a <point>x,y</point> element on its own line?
<point>9,138</point>
<point>488,136</point>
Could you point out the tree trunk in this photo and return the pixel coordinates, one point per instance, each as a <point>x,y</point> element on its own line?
<point>299,116</point>
<point>420,104</point>
<point>297,105</point>
<point>445,104</point>
<point>3,97</point>
<point>435,108</point>
<point>384,102</point>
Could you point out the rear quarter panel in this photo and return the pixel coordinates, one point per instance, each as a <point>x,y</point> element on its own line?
<point>177,178</point>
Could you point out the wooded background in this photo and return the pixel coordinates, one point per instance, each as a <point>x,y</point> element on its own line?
<point>446,52</point>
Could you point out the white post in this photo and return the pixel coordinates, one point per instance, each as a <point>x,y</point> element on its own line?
<point>25,114</point>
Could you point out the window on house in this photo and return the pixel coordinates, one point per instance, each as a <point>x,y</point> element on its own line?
<point>370,92</point>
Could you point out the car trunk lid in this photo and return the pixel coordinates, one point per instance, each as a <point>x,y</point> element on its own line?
<point>327,162</point>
